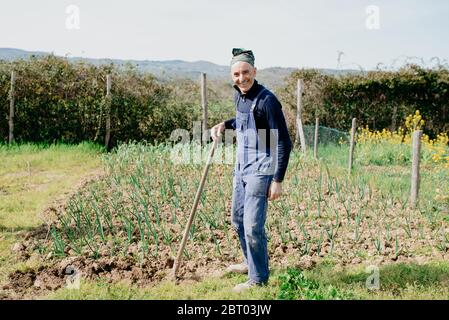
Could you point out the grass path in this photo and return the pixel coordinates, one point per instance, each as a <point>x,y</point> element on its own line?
<point>31,179</point>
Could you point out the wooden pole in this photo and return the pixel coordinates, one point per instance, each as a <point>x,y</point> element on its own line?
<point>415,167</point>
<point>204,103</point>
<point>108,111</point>
<point>351,144</point>
<point>11,108</point>
<point>300,138</point>
<point>178,259</point>
<point>315,142</point>
<point>393,118</point>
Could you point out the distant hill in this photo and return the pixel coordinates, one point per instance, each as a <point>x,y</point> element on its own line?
<point>171,69</point>
<point>13,54</point>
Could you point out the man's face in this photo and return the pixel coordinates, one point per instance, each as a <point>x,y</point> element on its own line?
<point>243,75</point>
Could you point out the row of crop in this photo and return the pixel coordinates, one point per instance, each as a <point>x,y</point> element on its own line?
<point>142,206</point>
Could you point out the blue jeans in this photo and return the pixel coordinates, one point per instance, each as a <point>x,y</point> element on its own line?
<point>249,212</point>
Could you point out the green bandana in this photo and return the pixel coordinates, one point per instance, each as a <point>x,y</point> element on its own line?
<point>240,54</point>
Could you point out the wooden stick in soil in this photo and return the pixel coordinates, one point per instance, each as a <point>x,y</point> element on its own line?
<point>415,167</point>
<point>300,138</point>
<point>11,108</point>
<point>204,101</point>
<point>108,111</point>
<point>315,141</point>
<point>351,145</point>
<point>193,211</point>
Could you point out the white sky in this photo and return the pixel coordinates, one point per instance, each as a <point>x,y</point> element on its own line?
<point>288,33</point>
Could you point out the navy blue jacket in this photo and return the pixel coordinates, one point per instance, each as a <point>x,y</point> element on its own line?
<point>268,115</point>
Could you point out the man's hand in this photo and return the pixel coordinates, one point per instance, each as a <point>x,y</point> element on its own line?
<point>275,190</point>
<point>217,130</point>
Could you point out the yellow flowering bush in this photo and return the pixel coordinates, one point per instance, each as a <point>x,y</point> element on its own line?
<point>397,144</point>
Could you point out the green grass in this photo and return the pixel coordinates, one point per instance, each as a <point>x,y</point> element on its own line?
<point>294,285</point>
<point>32,177</point>
<point>324,282</point>
<point>207,288</point>
<point>397,281</point>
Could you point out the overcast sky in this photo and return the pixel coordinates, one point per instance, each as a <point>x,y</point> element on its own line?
<point>287,33</point>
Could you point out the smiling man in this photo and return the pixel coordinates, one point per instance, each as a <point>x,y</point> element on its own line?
<point>263,151</point>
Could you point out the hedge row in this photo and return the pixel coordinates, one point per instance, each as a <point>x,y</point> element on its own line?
<point>56,100</point>
<point>378,99</point>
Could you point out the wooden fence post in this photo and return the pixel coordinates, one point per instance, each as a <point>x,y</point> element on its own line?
<point>415,167</point>
<point>393,118</point>
<point>11,108</point>
<point>315,141</point>
<point>351,144</point>
<point>204,103</point>
<point>108,111</point>
<point>300,138</point>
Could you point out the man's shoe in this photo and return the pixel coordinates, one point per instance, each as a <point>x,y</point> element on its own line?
<point>238,268</point>
<point>245,286</point>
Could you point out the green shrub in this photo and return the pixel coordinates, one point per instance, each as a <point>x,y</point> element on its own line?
<point>56,100</point>
<point>379,99</point>
<point>294,285</point>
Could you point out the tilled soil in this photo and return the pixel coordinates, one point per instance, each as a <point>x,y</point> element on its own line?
<point>350,227</point>
<point>55,273</point>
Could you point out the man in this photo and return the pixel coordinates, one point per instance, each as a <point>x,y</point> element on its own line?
<point>261,163</point>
